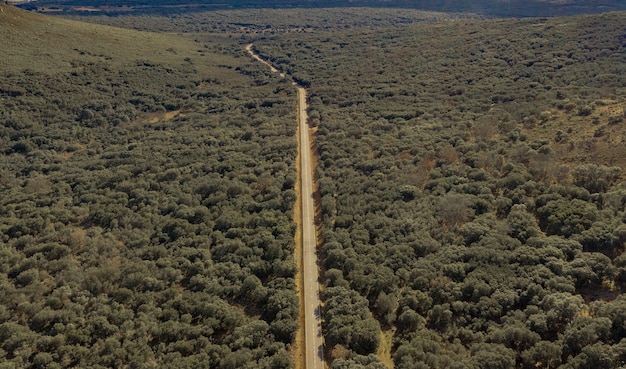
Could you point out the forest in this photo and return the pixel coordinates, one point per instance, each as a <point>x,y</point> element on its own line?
<point>471,190</point>
<point>145,210</point>
<point>470,175</point>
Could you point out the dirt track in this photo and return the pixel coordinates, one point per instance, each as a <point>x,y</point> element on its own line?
<point>313,339</point>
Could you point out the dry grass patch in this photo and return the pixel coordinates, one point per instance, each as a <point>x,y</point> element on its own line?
<point>595,137</point>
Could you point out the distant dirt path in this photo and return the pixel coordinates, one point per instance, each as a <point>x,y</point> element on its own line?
<point>313,340</point>
<point>258,58</point>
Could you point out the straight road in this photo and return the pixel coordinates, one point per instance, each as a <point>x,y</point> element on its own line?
<point>313,340</point>
<point>312,311</point>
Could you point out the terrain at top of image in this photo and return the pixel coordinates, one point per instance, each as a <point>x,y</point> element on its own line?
<point>497,8</point>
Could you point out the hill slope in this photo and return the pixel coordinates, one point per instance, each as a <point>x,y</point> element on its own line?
<point>51,44</point>
<point>507,8</point>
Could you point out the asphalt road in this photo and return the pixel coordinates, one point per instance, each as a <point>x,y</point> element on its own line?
<point>313,339</point>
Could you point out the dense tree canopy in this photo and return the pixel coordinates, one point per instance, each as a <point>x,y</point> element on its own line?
<point>145,212</point>
<point>470,179</point>
<point>467,190</point>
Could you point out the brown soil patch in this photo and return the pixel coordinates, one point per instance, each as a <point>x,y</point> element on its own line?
<point>152,118</point>
<point>384,350</point>
<point>298,349</point>
<point>69,154</point>
<point>599,293</point>
<point>319,223</point>
<point>405,156</point>
<point>595,138</point>
<point>317,198</point>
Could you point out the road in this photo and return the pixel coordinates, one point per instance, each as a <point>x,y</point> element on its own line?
<point>312,311</point>
<point>313,339</point>
<point>258,58</point>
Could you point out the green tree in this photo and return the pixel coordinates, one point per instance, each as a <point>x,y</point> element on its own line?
<point>566,218</point>
<point>595,178</point>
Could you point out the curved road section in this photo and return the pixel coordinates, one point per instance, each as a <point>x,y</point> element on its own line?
<point>313,342</point>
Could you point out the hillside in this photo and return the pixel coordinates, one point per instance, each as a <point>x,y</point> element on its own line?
<point>498,8</point>
<point>145,199</point>
<point>51,45</point>
<point>272,21</point>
